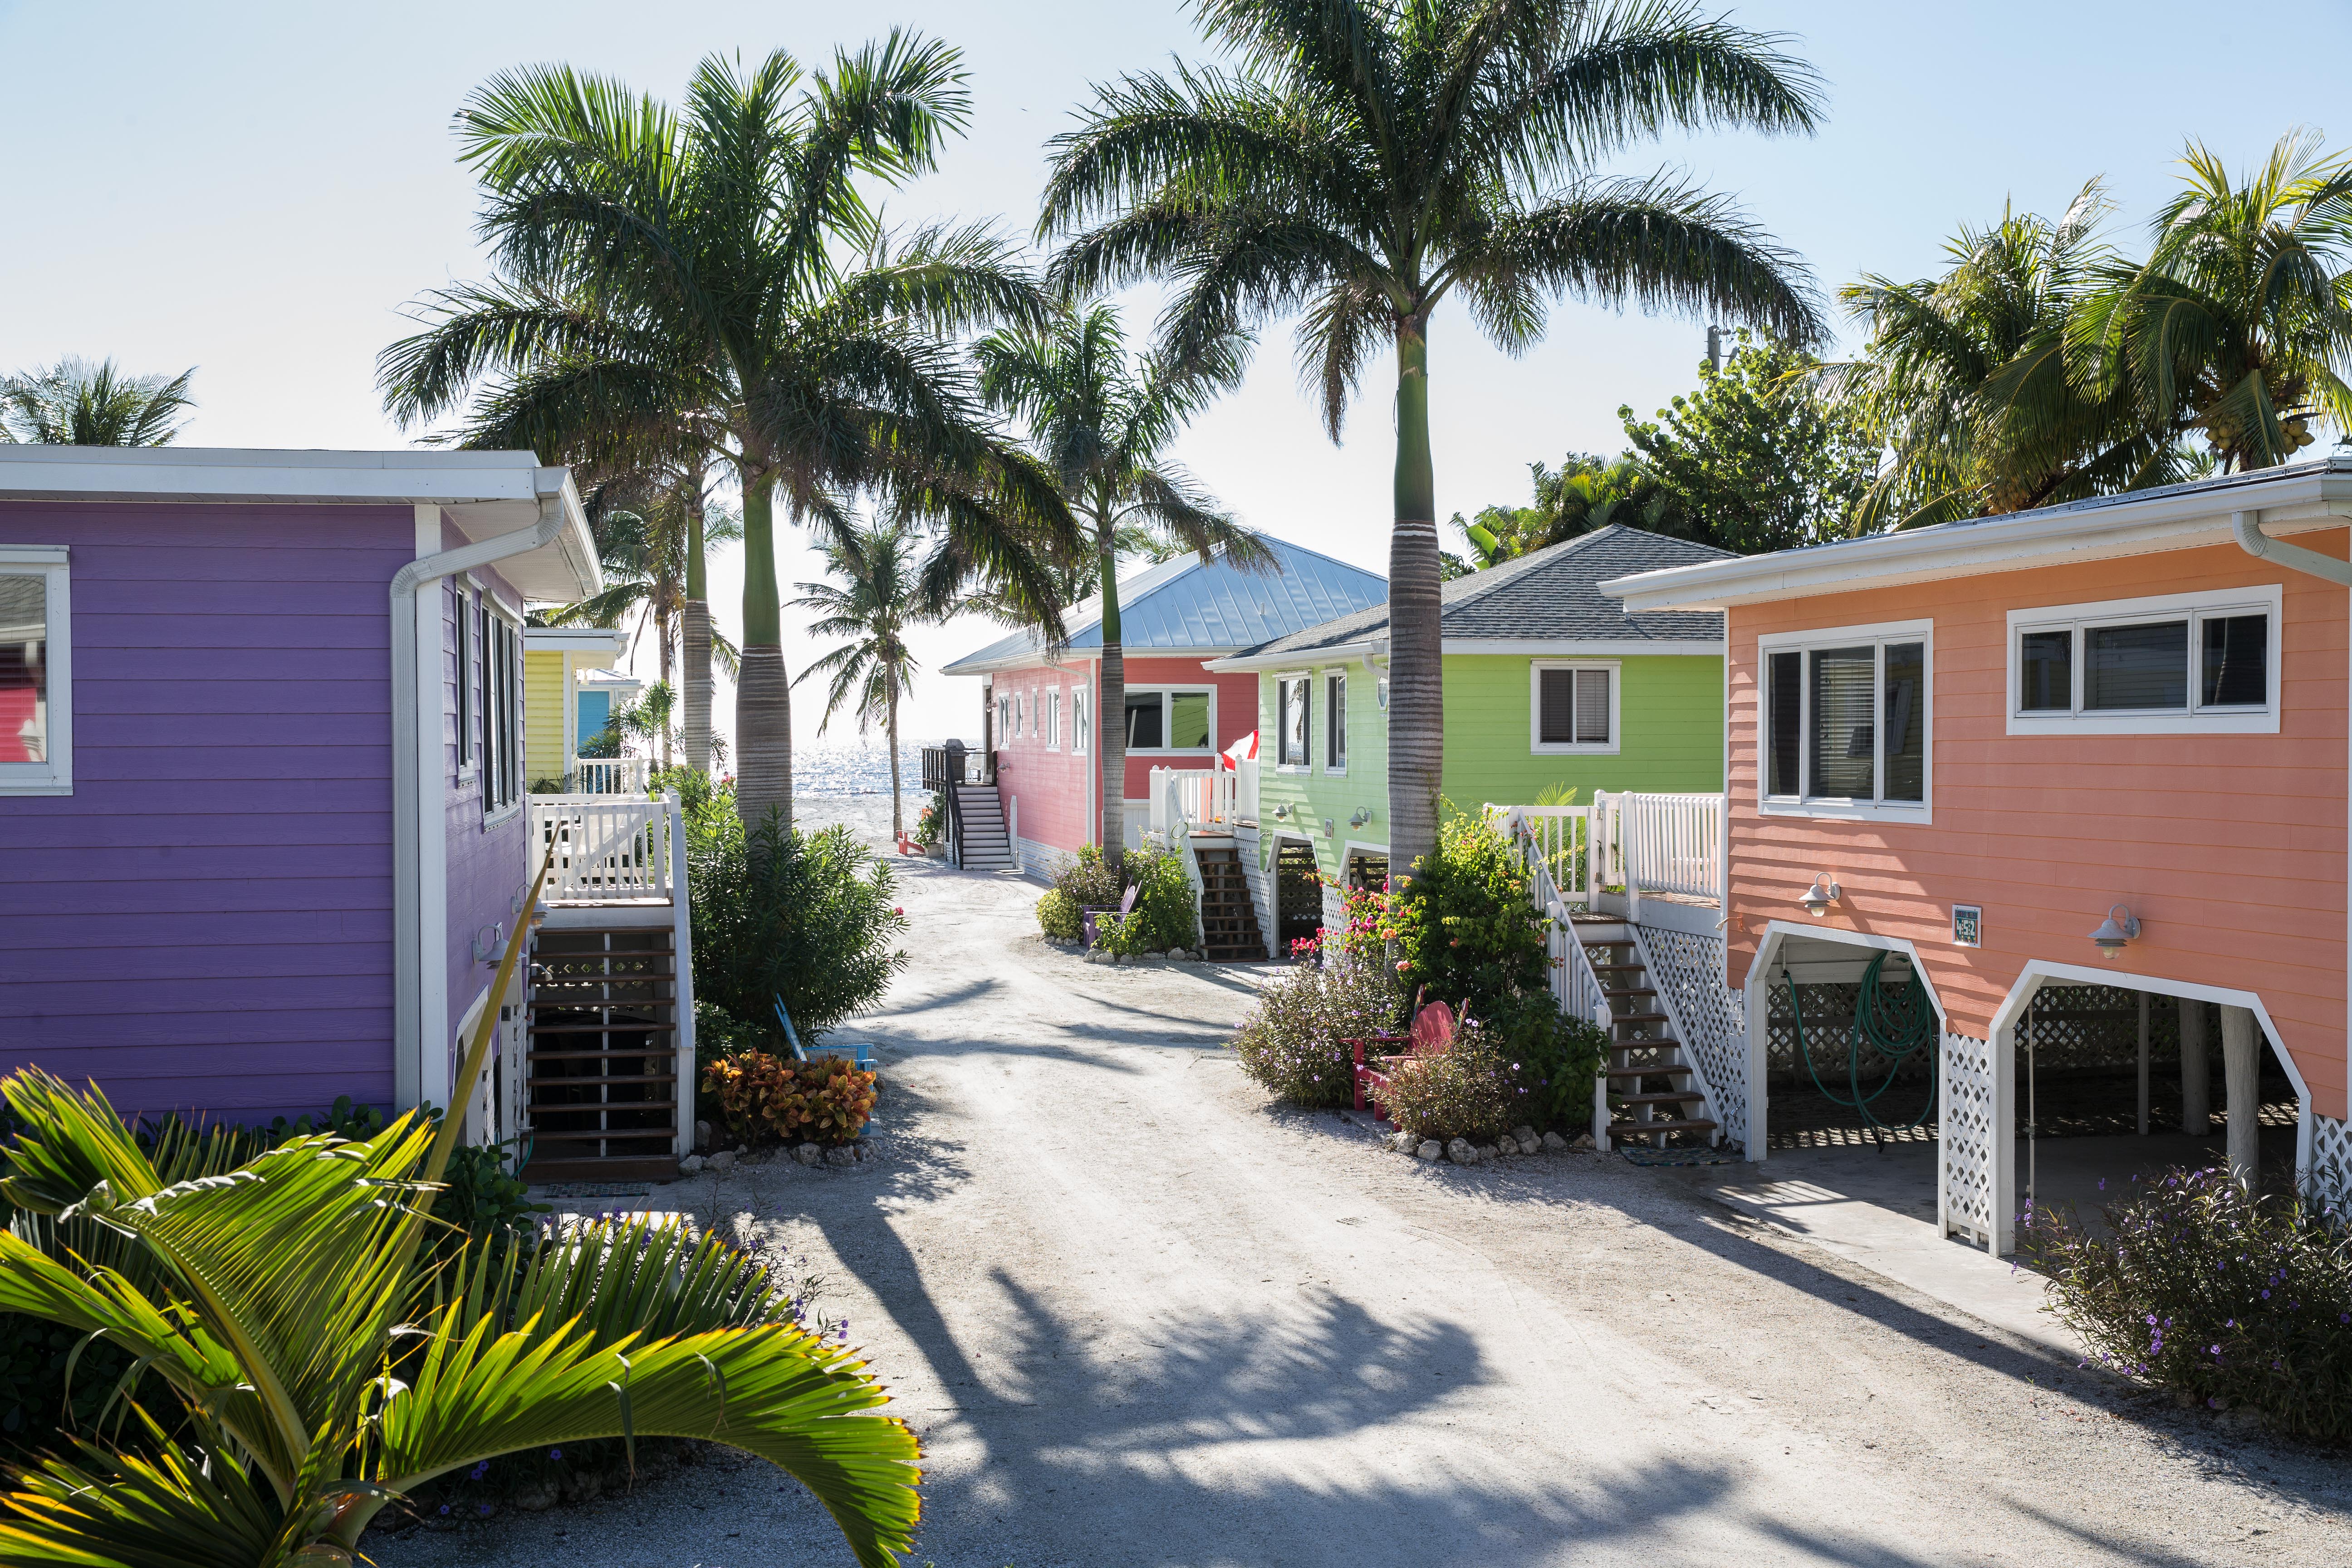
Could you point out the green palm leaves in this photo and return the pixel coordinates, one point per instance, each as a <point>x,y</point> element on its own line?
<point>320,1372</point>
<point>74,403</point>
<point>874,600</point>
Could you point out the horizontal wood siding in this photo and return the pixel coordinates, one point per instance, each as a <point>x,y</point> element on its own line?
<point>204,923</point>
<point>489,865</point>
<point>2230,849</point>
<point>1670,707</point>
<point>1049,783</point>
<point>1317,796</point>
<point>545,694</point>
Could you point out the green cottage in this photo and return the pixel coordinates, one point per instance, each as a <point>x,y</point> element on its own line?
<point>1549,685</point>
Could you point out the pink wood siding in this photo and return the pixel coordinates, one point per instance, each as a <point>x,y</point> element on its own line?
<point>2230,849</point>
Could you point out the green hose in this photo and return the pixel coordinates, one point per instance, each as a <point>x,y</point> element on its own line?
<point>1895,1022</point>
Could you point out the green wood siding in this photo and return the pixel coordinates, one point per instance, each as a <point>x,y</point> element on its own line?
<point>1670,715</point>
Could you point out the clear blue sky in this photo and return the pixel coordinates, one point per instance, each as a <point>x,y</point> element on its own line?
<point>256,190</point>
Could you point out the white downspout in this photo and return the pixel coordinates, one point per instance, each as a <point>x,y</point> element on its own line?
<point>412,763</point>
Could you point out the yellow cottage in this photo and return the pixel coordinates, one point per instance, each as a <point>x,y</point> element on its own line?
<point>570,689</point>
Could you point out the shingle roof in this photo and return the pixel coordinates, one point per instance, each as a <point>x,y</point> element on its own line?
<point>1552,595</point>
<point>1182,604</point>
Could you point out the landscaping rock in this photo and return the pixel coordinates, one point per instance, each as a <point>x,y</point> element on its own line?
<point>1489,1151</point>
<point>841,1158</point>
<point>1431,1150</point>
<point>723,1161</point>
<point>534,1497</point>
<point>1500,1146</point>
<point>1530,1143</point>
<point>1461,1151</point>
<point>808,1154</point>
<point>1583,1140</point>
<point>690,1165</point>
<point>702,1134</point>
<point>1554,1143</point>
<point>1404,1143</point>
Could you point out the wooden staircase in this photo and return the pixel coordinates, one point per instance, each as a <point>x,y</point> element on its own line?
<point>1653,1089</point>
<point>982,842</point>
<point>1228,917</point>
<point>600,1085</point>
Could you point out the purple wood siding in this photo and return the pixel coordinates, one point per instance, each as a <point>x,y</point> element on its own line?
<point>488,865</point>
<point>205,924</point>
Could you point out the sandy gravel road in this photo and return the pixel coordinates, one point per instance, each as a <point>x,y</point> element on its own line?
<point>1143,1318</point>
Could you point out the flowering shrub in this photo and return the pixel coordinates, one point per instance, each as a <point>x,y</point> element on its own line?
<point>1164,915</point>
<point>1361,937</point>
<point>1294,1043</point>
<point>1057,914</point>
<point>1464,925</point>
<point>931,825</point>
<point>1466,1090</point>
<point>1553,1059</point>
<point>2203,1291</point>
<point>826,1100</point>
<point>1088,881</point>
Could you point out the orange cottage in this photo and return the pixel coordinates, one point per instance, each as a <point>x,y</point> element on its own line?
<point>2095,745</point>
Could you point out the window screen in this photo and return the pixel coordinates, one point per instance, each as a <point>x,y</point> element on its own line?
<point>1335,722</point>
<point>1294,722</point>
<point>1906,751</point>
<point>2135,667</point>
<point>2234,672</point>
<point>1844,731</point>
<point>1784,699</point>
<point>1187,721</point>
<point>1556,708</point>
<point>2045,671</point>
<point>24,670</point>
<point>1591,706</point>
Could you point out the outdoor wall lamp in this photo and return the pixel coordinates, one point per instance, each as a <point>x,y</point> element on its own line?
<point>1818,898</point>
<point>488,942</point>
<point>1282,812</point>
<point>2120,926</point>
<point>1363,815</point>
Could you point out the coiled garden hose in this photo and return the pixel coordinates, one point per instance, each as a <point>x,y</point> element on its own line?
<point>1895,1022</point>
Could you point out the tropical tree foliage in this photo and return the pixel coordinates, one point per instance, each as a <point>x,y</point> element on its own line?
<point>74,403</point>
<point>1585,492</point>
<point>323,1364</point>
<point>873,602</point>
<point>720,271</point>
<point>1755,459</point>
<point>1358,163</point>
<point>1100,420</point>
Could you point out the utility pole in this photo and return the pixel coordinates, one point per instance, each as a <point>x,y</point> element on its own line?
<point>1714,348</point>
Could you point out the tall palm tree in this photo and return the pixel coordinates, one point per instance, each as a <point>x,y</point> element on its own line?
<point>2237,331</point>
<point>720,271</point>
<point>74,403</point>
<point>1101,421</point>
<point>1363,159</point>
<point>878,597</point>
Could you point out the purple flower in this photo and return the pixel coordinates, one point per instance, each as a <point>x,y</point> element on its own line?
<point>555,1453</point>
<point>486,1510</point>
<point>480,1470</point>
<point>445,1510</point>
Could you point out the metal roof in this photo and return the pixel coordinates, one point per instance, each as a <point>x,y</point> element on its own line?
<point>1552,595</point>
<point>1181,606</point>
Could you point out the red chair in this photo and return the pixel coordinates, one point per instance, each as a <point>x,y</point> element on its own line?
<point>1430,1033</point>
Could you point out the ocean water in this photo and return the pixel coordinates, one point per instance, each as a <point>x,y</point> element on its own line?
<point>850,784</point>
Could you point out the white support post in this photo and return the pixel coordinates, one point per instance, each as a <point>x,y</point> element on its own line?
<point>2196,1074</point>
<point>2241,1066</point>
<point>681,914</point>
<point>2143,1063</point>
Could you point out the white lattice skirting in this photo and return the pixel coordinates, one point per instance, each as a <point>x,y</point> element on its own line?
<point>1690,970</point>
<point>2331,1160</point>
<point>1967,1132</point>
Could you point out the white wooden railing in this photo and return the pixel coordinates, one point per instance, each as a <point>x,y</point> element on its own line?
<point>1202,799</point>
<point>604,849</point>
<point>609,775</point>
<point>1658,844</point>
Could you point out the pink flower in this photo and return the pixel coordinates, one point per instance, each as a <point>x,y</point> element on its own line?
<point>898,911</point>
<point>1403,965</point>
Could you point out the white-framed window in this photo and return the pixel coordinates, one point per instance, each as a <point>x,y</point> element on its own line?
<point>2172,664</point>
<point>1335,723</point>
<point>1081,733</point>
<point>503,737</point>
<point>1171,719</point>
<point>36,670</point>
<point>1293,721</point>
<point>1054,720</point>
<point>1848,721</point>
<point>1003,718</point>
<point>467,619</point>
<point>1572,706</point>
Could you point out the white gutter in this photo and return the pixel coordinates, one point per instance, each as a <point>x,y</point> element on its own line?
<point>414,763</point>
<point>2247,526</point>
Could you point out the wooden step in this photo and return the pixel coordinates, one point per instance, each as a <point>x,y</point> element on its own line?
<point>1672,1096</point>
<point>608,1028</point>
<point>1629,991</point>
<point>1638,1017</point>
<point>619,1168</point>
<point>1692,1124</point>
<point>539,1109</point>
<point>1654,1071</point>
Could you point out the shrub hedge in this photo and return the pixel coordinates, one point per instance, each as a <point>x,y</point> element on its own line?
<point>1294,1043</point>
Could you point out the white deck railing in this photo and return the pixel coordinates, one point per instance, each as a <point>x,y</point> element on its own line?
<point>609,775</point>
<point>1661,843</point>
<point>1202,799</point>
<point>604,849</point>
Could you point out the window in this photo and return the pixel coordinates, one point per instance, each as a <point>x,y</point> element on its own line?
<point>1335,723</point>
<point>1291,705</point>
<point>1169,719</point>
<point>36,672</point>
<point>463,619</point>
<point>501,713</point>
<point>1054,721</point>
<point>1080,736</point>
<point>1003,720</point>
<point>1573,708</point>
<point>2168,665</point>
<point>1845,721</point>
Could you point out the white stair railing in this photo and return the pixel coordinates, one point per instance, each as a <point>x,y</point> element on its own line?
<point>1671,843</point>
<point>609,775</point>
<point>602,850</point>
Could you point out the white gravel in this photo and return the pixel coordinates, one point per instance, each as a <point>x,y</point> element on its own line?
<point>1143,1318</point>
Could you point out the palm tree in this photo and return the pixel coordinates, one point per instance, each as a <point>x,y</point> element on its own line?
<point>2237,331</point>
<point>1584,493</point>
<point>1101,420</point>
<point>1363,161</point>
<point>74,403</point>
<point>876,599</point>
<point>721,274</point>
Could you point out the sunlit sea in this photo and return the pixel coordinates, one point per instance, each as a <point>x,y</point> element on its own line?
<point>851,783</point>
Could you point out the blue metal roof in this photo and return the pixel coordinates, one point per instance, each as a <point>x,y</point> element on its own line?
<point>1181,606</point>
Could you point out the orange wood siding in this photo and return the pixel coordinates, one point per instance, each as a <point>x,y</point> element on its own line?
<point>2230,849</point>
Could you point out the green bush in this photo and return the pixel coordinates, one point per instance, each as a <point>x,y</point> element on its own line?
<point>1552,1060</point>
<point>1088,881</point>
<point>1057,913</point>
<point>1464,925</point>
<point>1295,1042</point>
<point>1466,1090</point>
<point>2198,1289</point>
<point>1164,915</point>
<point>777,913</point>
<point>932,824</point>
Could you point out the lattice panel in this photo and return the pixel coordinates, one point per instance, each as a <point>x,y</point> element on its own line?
<point>1969,1134</point>
<point>1689,970</point>
<point>2096,1026</point>
<point>2331,1162</point>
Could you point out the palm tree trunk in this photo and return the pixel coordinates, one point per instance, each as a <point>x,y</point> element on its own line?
<point>697,631</point>
<point>1110,717</point>
<point>763,697</point>
<point>668,674</point>
<point>1416,672</point>
<point>897,816</point>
